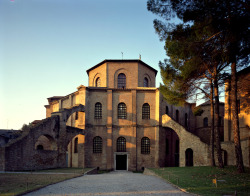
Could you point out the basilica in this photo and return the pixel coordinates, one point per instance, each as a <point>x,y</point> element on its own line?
<point>121,121</point>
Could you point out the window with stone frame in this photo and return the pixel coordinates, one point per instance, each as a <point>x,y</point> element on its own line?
<point>145,145</point>
<point>121,82</point>
<point>122,111</point>
<point>145,111</point>
<point>98,110</point>
<point>97,144</point>
<point>98,82</point>
<point>121,144</point>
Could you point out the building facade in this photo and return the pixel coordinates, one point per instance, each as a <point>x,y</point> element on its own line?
<point>123,119</point>
<point>120,121</point>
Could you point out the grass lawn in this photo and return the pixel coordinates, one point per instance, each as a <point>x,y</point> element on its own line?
<point>198,180</point>
<point>17,183</point>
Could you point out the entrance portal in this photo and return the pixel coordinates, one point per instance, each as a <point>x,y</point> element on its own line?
<point>121,162</point>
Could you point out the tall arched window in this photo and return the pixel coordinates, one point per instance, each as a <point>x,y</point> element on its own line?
<point>145,111</point>
<point>122,111</point>
<point>177,115</point>
<point>121,81</point>
<point>76,145</point>
<point>121,144</point>
<point>98,110</point>
<point>98,82</point>
<point>97,144</point>
<point>145,145</point>
<point>145,82</point>
<point>205,122</point>
<point>167,110</point>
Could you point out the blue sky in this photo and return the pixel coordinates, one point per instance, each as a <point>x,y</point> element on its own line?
<point>46,46</point>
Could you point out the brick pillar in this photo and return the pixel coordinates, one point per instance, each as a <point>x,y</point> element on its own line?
<point>134,139</point>
<point>157,128</point>
<point>109,151</point>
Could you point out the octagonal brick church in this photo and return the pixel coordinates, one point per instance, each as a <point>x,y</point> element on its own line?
<point>128,124</point>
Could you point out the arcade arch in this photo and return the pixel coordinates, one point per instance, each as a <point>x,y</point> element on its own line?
<point>46,142</point>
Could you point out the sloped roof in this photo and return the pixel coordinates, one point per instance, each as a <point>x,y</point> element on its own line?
<point>122,61</point>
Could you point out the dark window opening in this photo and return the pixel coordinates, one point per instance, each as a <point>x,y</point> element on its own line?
<point>121,81</point>
<point>121,144</point>
<point>145,145</point>
<point>98,110</point>
<point>122,111</point>
<point>145,111</point>
<point>97,144</point>
<point>39,147</point>
<point>205,122</point>
<point>145,82</point>
<point>76,145</point>
<point>98,82</point>
<point>167,110</point>
<point>177,115</point>
<point>76,116</point>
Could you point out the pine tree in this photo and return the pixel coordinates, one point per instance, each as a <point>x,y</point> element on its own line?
<point>228,43</point>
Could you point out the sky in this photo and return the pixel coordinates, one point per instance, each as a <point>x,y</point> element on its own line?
<point>46,46</point>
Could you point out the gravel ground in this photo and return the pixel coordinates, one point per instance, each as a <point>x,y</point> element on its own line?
<point>113,183</point>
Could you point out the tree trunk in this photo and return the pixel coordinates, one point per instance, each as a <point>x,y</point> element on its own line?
<point>235,120</point>
<point>217,110</point>
<point>212,124</point>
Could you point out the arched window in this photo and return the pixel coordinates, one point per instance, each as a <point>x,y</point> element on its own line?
<point>145,82</point>
<point>205,122</point>
<point>186,119</point>
<point>121,144</point>
<point>177,115</point>
<point>98,82</point>
<point>121,81</point>
<point>122,111</point>
<point>98,110</point>
<point>76,145</point>
<point>97,144</point>
<point>145,145</point>
<point>167,110</point>
<point>145,111</point>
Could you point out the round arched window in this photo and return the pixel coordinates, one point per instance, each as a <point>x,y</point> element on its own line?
<point>98,82</point>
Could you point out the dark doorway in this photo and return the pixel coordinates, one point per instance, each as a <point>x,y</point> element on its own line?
<point>121,162</point>
<point>189,157</point>
<point>172,148</point>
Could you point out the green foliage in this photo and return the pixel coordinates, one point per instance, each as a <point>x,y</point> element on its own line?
<point>197,111</point>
